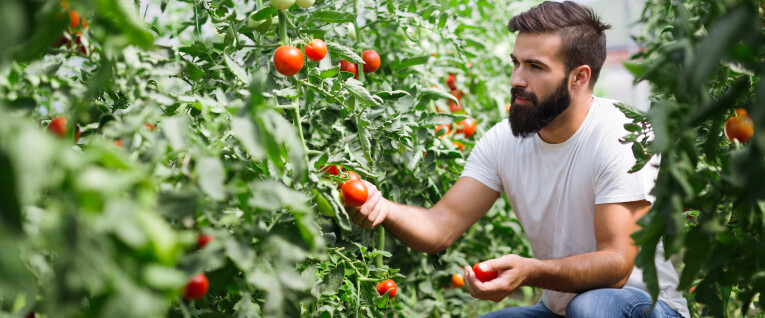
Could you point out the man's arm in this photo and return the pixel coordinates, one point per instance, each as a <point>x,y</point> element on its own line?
<point>428,230</point>
<point>609,266</point>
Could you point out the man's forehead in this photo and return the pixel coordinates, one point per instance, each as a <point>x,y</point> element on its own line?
<point>544,47</point>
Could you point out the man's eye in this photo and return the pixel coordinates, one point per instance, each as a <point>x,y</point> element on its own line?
<point>537,67</point>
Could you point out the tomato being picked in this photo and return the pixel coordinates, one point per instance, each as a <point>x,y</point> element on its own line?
<point>316,50</point>
<point>346,66</point>
<point>354,193</point>
<point>288,60</point>
<point>389,286</point>
<point>197,287</point>
<point>740,126</point>
<point>484,276</point>
<point>371,60</point>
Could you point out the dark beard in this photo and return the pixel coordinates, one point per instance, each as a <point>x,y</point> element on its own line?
<point>526,120</point>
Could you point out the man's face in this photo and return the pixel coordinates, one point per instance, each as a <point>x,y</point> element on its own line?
<point>539,83</point>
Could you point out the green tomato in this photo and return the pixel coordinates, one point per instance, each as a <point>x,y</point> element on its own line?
<point>282,4</point>
<point>322,204</point>
<point>305,4</point>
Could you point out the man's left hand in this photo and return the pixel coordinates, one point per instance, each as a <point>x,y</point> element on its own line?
<point>512,269</point>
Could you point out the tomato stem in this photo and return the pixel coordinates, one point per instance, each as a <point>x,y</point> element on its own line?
<point>283,28</point>
<point>359,67</point>
<point>380,246</point>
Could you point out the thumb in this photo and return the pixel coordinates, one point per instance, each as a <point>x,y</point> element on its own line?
<point>491,265</point>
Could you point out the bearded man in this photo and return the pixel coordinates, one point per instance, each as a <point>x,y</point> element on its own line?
<point>565,173</point>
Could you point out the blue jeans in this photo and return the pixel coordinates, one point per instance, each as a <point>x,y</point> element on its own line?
<point>597,303</point>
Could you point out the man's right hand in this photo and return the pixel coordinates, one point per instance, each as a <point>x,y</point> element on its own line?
<point>373,212</point>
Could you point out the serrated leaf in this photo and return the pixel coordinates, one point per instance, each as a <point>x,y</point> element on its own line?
<point>362,94</point>
<point>236,69</point>
<point>344,53</point>
<point>434,93</point>
<point>265,13</point>
<point>331,16</point>
<point>392,95</point>
<point>332,72</point>
<point>631,111</point>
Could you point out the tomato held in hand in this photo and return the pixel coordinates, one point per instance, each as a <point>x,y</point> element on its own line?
<point>371,60</point>
<point>288,60</point>
<point>468,127</point>
<point>197,287</point>
<point>316,50</point>
<point>388,286</point>
<point>484,276</point>
<point>457,281</point>
<point>346,66</point>
<point>354,193</point>
<point>740,126</point>
<point>203,239</point>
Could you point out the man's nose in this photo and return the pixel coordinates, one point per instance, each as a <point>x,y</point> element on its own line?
<point>517,79</point>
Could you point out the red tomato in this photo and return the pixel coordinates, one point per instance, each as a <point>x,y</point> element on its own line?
<point>388,286</point>
<point>288,60</point>
<point>118,143</point>
<point>457,281</point>
<point>346,66</point>
<point>454,107</point>
<point>740,126</point>
<point>354,193</point>
<point>468,127</point>
<point>197,287</point>
<point>372,60</point>
<point>458,93</point>
<point>333,170</point>
<point>74,19</point>
<point>150,126</point>
<point>692,289</point>
<point>442,131</point>
<point>451,81</point>
<point>203,239</point>
<point>484,276</point>
<point>58,127</point>
<point>459,145</point>
<point>316,50</point>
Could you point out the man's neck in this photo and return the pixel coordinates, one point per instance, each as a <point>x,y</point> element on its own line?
<point>569,121</point>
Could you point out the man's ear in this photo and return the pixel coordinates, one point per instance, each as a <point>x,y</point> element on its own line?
<point>580,76</point>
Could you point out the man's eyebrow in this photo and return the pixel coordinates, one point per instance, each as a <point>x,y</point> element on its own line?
<point>530,61</point>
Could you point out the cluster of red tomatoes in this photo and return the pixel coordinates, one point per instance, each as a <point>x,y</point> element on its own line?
<point>73,37</point>
<point>289,60</point>
<point>465,127</point>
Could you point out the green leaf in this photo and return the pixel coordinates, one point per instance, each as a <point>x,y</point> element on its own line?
<point>361,93</point>
<point>243,130</point>
<point>434,93</point>
<point>344,53</point>
<point>265,13</point>
<point>392,95</point>
<point>211,176</point>
<point>341,217</point>
<point>124,17</point>
<point>411,61</point>
<point>236,69</point>
<point>176,131</point>
<point>10,209</point>
<point>331,16</point>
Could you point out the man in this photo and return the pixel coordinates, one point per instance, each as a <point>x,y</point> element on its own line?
<point>565,175</point>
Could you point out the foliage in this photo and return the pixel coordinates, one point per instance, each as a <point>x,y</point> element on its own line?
<point>704,59</point>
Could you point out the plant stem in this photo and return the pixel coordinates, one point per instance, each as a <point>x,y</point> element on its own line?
<point>380,246</point>
<point>359,67</point>
<point>283,28</point>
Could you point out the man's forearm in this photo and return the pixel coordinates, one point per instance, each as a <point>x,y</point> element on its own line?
<point>421,229</point>
<point>578,273</point>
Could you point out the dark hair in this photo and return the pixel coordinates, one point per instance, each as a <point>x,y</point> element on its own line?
<point>580,29</point>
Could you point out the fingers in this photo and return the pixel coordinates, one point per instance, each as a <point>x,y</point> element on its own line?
<point>372,212</point>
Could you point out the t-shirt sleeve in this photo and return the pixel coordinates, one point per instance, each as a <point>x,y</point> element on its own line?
<point>613,182</point>
<point>483,162</point>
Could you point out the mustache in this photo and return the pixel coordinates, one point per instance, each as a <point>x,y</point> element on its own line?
<point>516,92</point>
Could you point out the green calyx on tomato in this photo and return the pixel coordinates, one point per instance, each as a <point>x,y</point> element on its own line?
<point>288,60</point>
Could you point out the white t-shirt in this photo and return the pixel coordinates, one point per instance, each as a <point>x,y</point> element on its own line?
<point>553,189</point>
